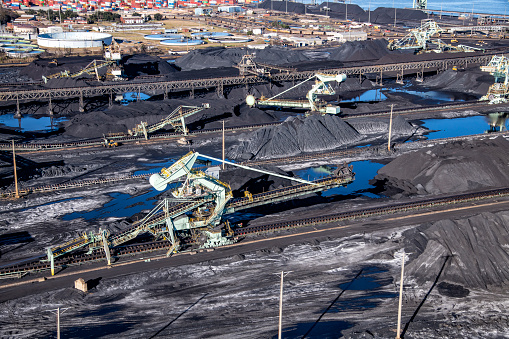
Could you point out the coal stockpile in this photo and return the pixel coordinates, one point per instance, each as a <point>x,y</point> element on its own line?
<point>467,253</point>
<point>450,168</point>
<point>283,6</point>
<point>216,57</point>
<point>381,15</point>
<point>241,180</point>
<point>474,81</point>
<point>360,51</point>
<point>385,15</point>
<point>119,119</point>
<point>143,64</point>
<point>294,136</point>
<point>46,67</point>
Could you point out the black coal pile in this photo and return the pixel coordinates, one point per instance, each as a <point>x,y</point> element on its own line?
<point>360,50</point>
<point>381,15</point>
<point>294,136</point>
<point>385,15</point>
<point>283,6</point>
<point>216,57</point>
<point>367,126</point>
<point>58,171</point>
<point>119,119</point>
<point>241,180</point>
<point>448,168</point>
<point>469,253</point>
<point>143,64</point>
<point>472,81</point>
<point>46,67</point>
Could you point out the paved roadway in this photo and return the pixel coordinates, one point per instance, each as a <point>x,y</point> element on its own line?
<point>28,286</point>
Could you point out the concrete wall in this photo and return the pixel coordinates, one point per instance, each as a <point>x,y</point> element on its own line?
<point>73,40</point>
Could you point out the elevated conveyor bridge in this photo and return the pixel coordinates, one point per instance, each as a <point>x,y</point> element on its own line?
<point>166,87</point>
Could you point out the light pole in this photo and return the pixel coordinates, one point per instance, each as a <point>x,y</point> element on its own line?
<point>390,129</point>
<point>280,329</point>
<point>398,333</point>
<point>57,312</point>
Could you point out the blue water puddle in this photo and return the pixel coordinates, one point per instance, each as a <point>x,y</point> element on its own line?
<point>121,205</point>
<point>432,97</point>
<point>364,171</point>
<point>132,96</point>
<point>447,128</point>
<point>370,95</point>
<point>31,123</point>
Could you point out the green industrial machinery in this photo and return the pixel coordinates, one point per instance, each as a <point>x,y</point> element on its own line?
<point>421,40</point>
<point>195,209</point>
<point>420,4</point>
<point>499,91</point>
<point>313,104</point>
<point>175,119</point>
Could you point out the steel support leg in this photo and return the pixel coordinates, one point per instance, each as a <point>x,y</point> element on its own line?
<point>220,91</point>
<point>110,102</point>
<point>191,95</point>
<point>51,260</point>
<point>82,107</point>
<point>50,107</point>
<point>165,92</point>
<point>106,247</point>
<point>18,111</point>
<point>379,79</point>
<point>399,78</point>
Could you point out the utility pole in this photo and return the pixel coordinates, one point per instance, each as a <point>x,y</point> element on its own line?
<point>280,331</point>
<point>15,171</point>
<point>57,312</point>
<point>390,129</point>
<point>398,333</point>
<point>223,144</point>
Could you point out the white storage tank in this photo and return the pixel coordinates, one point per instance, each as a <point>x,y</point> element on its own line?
<point>74,40</point>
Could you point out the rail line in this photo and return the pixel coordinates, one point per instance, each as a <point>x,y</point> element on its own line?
<point>284,160</point>
<point>125,138</point>
<point>32,267</point>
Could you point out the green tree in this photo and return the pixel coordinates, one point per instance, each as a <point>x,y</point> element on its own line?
<point>6,15</point>
<point>158,16</point>
<point>136,14</point>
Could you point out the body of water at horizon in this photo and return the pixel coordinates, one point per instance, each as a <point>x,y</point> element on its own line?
<point>477,6</point>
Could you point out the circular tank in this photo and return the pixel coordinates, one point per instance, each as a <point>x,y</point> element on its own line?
<point>23,52</point>
<point>181,42</point>
<point>208,35</point>
<point>74,40</point>
<point>162,36</point>
<point>230,40</point>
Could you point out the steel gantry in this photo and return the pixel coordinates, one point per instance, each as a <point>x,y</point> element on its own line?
<point>420,4</point>
<point>499,91</point>
<point>165,87</point>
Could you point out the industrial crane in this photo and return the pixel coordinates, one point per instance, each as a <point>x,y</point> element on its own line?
<point>420,39</point>
<point>499,91</point>
<point>196,208</point>
<point>175,119</point>
<point>313,104</point>
<point>420,4</point>
<point>112,60</point>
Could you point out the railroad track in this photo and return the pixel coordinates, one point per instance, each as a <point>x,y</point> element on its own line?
<point>124,138</point>
<point>38,266</point>
<point>285,160</point>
